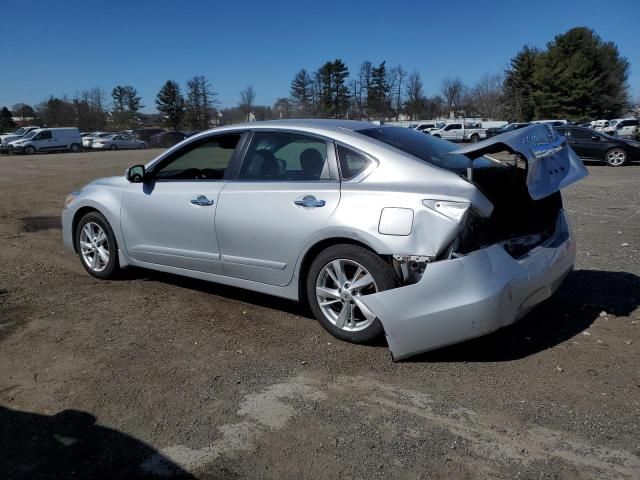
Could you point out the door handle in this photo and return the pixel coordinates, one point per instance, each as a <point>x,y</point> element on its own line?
<point>202,201</point>
<point>309,201</point>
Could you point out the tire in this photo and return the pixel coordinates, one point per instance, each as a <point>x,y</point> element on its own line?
<point>29,150</point>
<point>143,146</point>
<point>74,148</point>
<point>362,327</point>
<point>98,243</point>
<point>113,147</point>
<point>475,138</point>
<point>616,157</point>
<point>437,136</point>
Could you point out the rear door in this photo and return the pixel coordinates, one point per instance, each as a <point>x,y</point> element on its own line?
<point>284,193</point>
<point>588,144</point>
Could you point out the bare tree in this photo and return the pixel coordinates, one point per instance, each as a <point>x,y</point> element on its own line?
<point>452,90</point>
<point>396,90</point>
<point>487,96</point>
<point>247,97</point>
<point>415,95</point>
<point>364,81</point>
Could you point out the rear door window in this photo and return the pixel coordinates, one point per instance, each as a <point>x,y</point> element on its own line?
<point>285,157</point>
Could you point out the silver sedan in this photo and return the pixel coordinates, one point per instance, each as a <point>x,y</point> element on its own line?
<point>382,230</point>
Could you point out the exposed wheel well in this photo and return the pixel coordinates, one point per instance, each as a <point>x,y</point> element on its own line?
<point>76,219</point>
<point>313,252</point>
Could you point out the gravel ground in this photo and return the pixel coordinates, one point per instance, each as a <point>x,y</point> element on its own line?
<point>156,375</point>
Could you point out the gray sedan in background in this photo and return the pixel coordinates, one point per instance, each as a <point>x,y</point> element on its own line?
<point>382,230</point>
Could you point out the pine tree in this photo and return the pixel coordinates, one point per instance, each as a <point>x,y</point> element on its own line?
<point>170,103</point>
<point>6,122</point>
<point>580,76</point>
<point>126,105</point>
<point>378,93</point>
<point>200,103</point>
<point>302,92</point>
<point>340,90</point>
<point>519,85</point>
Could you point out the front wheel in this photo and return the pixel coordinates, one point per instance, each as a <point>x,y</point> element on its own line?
<point>616,157</point>
<point>97,246</point>
<point>337,278</point>
<point>113,147</point>
<point>30,150</point>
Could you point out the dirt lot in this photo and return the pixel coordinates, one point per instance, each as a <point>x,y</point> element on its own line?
<point>156,375</point>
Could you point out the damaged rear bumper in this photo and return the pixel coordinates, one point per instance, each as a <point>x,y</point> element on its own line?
<point>470,296</point>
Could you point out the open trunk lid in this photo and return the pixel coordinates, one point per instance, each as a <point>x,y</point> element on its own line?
<point>551,163</point>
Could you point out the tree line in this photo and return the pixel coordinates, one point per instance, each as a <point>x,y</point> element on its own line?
<point>577,76</point>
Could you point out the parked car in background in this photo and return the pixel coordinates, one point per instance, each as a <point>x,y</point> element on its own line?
<point>145,134</point>
<point>166,139</point>
<point>17,135</point>
<point>118,141</point>
<point>427,127</point>
<point>459,132</point>
<point>600,125</point>
<point>48,140</point>
<point>87,140</point>
<point>553,123</point>
<point>386,232</point>
<point>492,132</point>
<point>592,145</point>
<point>625,128</point>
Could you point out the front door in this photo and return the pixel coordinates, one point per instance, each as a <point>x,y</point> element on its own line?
<point>286,191</point>
<point>170,218</point>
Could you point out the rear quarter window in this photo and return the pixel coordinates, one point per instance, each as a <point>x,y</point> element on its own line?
<point>351,163</point>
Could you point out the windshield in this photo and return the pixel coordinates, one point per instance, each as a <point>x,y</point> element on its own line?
<point>426,147</point>
<point>19,131</point>
<point>31,134</point>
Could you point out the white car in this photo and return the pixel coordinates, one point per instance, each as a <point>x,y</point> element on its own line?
<point>87,140</point>
<point>623,128</point>
<point>118,142</point>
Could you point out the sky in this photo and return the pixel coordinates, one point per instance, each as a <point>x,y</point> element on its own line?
<point>64,47</point>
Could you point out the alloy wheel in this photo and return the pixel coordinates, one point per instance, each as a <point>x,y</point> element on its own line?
<point>616,157</point>
<point>339,286</point>
<point>94,246</point>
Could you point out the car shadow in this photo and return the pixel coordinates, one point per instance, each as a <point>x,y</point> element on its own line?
<point>575,306</point>
<point>70,445</point>
<point>232,293</point>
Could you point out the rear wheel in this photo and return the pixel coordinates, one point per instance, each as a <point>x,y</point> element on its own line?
<point>616,157</point>
<point>475,138</point>
<point>75,148</point>
<point>437,136</point>
<point>97,246</point>
<point>337,278</point>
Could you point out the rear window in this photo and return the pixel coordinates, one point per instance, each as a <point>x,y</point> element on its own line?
<point>425,147</point>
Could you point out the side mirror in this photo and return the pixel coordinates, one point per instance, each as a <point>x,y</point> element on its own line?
<point>136,174</point>
<point>595,138</point>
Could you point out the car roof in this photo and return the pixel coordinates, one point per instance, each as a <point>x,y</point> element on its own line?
<point>318,123</point>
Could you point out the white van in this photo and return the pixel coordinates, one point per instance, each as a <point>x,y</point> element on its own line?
<point>48,140</point>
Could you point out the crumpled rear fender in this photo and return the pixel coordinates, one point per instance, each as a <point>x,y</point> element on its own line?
<point>470,296</point>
